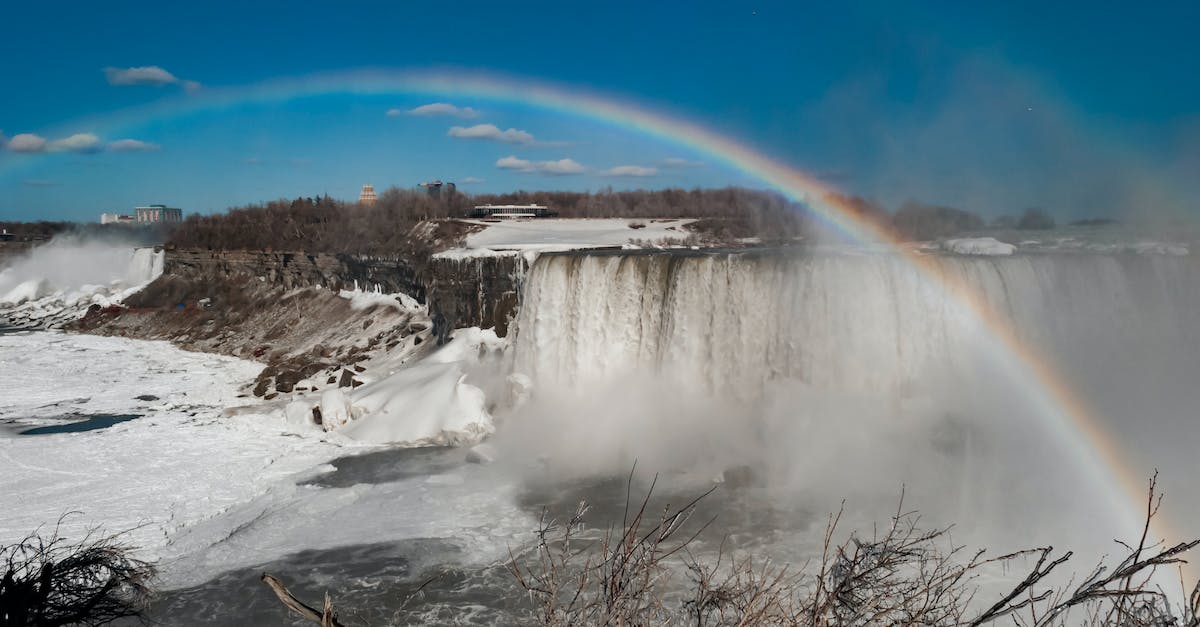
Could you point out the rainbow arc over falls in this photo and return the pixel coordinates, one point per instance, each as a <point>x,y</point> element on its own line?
<point>1080,433</point>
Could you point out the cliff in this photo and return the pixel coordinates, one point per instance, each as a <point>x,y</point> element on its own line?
<point>288,310</point>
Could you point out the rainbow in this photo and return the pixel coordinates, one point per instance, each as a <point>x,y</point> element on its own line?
<point>1067,415</point>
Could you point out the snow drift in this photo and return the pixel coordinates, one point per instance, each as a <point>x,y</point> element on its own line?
<point>428,403</point>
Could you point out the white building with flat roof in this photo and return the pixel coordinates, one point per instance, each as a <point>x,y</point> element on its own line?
<point>115,218</point>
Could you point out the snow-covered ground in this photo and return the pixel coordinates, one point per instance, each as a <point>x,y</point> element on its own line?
<point>408,401</point>
<point>553,235</point>
<point>198,483</point>
<point>184,460</point>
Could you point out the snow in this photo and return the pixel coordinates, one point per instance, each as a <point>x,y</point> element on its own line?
<point>426,403</point>
<point>202,487</point>
<point>978,246</point>
<point>557,235</point>
<point>183,461</point>
<point>1161,248</point>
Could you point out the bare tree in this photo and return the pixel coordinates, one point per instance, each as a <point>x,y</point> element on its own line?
<point>49,580</point>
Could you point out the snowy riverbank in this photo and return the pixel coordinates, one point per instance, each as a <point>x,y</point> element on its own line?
<point>182,461</point>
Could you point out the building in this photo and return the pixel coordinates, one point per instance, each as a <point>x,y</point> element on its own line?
<point>154,214</point>
<point>512,211</point>
<point>116,218</point>
<point>367,195</point>
<point>5,236</point>
<point>438,189</point>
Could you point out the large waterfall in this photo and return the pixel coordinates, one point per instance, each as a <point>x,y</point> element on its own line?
<point>730,323</point>
<point>804,362</point>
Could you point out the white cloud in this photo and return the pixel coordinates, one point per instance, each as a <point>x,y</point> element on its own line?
<point>132,145</point>
<point>79,142</point>
<point>439,108</point>
<point>84,143</point>
<point>559,167</point>
<point>27,142</point>
<point>491,132</point>
<point>630,170</point>
<point>146,75</point>
<point>471,180</point>
<point>679,162</point>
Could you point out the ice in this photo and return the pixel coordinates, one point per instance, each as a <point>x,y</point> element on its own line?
<point>978,246</point>
<point>202,486</point>
<point>362,299</point>
<point>426,403</point>
<point>183,461</point>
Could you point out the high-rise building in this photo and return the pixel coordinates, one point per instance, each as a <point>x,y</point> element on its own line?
<point>367,195</point>
<point>438,189</point>
<point>151,214</point>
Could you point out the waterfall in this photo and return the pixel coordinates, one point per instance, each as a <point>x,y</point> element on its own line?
<point>733,323</point>
<point>850,375</point>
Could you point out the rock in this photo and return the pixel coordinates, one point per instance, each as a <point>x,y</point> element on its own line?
<point>346,380</point>
<point>286,380</point>
<point>738,477</point>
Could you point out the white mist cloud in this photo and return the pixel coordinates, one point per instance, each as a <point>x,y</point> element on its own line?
<point>559,167</point>
<point>132,145</point>
<point>438,108</point>
<point>27,142</point>
<point>146,75</point>
<point>630,170</point>
<point>491,132</point>
<point>80,142</point>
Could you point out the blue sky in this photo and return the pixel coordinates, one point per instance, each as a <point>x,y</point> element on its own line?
<point>1085,109</point>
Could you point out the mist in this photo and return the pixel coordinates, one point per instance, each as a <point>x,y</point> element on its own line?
<point>987,136</point>
<point>76,263</point>
<point>848,378</point>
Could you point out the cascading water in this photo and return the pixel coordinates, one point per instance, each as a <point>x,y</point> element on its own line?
<point>57,282</point>
<point>844,374</point>
<point>731,323</point>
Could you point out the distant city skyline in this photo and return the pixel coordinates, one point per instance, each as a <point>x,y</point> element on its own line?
<point>989,109</point>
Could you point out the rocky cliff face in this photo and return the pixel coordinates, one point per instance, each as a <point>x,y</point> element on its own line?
<point>284,309</point>
<point>474,292</point>
<point>480,292</point>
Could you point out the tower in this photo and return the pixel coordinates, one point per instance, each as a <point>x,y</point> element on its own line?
<point>367,195</point>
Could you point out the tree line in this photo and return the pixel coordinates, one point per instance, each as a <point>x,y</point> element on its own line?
<point>323,224</point>
<point>726,215</point>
